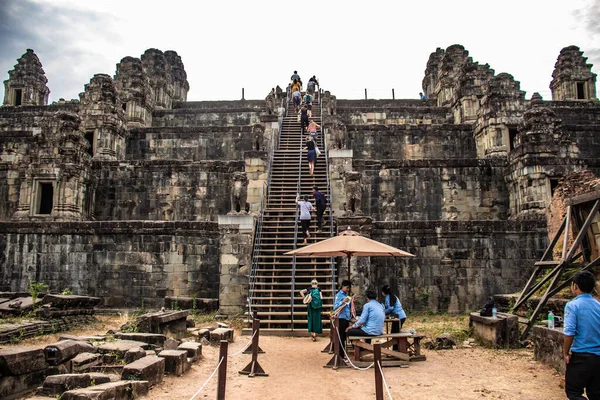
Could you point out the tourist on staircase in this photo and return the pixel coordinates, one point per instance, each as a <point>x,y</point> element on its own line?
<point>311,154</point>
<point>303,119</point>
<point>308,102</point>
<point>321,205</point>
<point>305,217</point>
<point>312,128</point>
<point>296,95</point>
<point>296,78</point>
<point>314,309</point>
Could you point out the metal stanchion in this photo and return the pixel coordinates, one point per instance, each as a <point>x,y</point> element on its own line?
<point>222,378</point>
<point>253,369</point>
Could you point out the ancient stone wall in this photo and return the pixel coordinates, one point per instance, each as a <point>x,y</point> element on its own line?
<point>392,112</point>
<point>422,190</point>
<point>123,262</point>
<point>188,117</point>
<point>457,264</point>
<point>194,144</point>
<point>410,142</point>
<point>164,190</point>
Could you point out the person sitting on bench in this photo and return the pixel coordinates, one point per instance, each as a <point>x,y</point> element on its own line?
<point>371,319</point>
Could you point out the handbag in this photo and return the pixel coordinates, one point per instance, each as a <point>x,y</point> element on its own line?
<point>307,299</point>
<point>317,150</point>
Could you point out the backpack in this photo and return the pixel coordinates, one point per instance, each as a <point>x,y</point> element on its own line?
<point>308,99</point>
<point>486,311</point>
<point>316,302</point>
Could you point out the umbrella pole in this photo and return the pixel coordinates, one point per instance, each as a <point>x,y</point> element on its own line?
<point>349,274</point>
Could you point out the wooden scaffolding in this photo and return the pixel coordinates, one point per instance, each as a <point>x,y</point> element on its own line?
<point>583,220</point>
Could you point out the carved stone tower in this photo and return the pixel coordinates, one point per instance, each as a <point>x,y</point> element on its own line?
<point>450,67</point>
<point>26,84</point>
<point>180,83</point>
<point>158,70</point>
<point>542,154</point>
<point>55,181</point>
<point>103,119</point>
<point>573,78</point>
<point>431,73</point>
<point>137,97</point>
<point>499,116</point>
<point>469,90</point>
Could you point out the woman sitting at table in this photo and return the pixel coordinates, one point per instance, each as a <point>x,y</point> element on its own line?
<point>393,309</point>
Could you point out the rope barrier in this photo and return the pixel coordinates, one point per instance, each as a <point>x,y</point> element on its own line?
<point>384,382</point>
<point>209,378</point>
<point>245,347</point>
<point>348,358</point>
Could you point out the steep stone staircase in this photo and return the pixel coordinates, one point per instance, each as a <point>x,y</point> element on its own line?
<point>276,278</point>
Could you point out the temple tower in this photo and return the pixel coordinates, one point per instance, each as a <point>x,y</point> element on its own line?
<point>431,73</point>
<point>179,76</point>
<point>451,64</point>
<point>542,154</point>
<point>26,83</point>
<point>499,116</point>
<point>158,70</point>
<point>55,181</point>
<point>103,119</point>
<point>572,78</point>
<point>469,90</point>
<point>135,92</point>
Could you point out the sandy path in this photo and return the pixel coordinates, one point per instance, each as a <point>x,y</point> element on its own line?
<point>295,368</point>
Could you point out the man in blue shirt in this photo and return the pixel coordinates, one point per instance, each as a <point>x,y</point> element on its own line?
<point>371,319</point>
<point>341,298</point>
<point>582,339</point>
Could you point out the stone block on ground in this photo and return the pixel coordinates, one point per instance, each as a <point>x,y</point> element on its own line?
<point>58,384</point>
<point>221,334</point>
<point>109,391</point>
<point>62,351</point>
<point>194,350</point>
<point>13,387</point>
<point>89,339</point>
<point>149,368</point>
<point>548,346</point>
<point>155,339</point>
<point>134,354</point>
<point>175,361</point>
<point>202,333</point>
<point>21,360</point>
<point>190,323</point>
<point>83,361</point>
<point>202,305</point>
<point>120,347</point>
<point>169,323</point>
<point>502,331</point>
<point>171,344</point>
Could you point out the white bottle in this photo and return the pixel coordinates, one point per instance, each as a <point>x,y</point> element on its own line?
<point>494,312</point>
<point>550,320</point>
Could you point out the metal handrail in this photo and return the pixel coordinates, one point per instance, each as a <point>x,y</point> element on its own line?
<point>263,206</point>
<point>297,217</point>
<point>331,231</point>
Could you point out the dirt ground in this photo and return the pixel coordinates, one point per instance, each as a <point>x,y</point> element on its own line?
<point>295,368</point>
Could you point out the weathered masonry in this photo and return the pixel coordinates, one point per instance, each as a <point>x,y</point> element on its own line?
<point>132,193</point>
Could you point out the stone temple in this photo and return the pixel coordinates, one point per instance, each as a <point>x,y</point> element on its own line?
<point>132,193</point>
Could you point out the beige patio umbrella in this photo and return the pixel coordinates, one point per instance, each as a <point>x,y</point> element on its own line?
<point>349,243</point>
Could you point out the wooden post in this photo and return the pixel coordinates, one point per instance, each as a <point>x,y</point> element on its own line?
<point>254,367</point>
<point>393,95</point>
<point>329,347</point>
<point>255,328</point>
<point>336,361</point>
<point>365,93</point>
<point>222,378</point>
<point>377,367</point>
<point>243,94</point>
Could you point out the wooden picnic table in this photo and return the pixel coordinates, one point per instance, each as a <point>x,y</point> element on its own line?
<point>408,350</point>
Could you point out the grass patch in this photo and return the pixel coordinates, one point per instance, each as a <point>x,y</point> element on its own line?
<point>434,324</point>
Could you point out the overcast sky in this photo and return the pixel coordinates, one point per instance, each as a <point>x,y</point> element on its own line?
<point>349,45</point>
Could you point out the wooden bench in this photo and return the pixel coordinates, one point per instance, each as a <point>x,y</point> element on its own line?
<point>408,350</point>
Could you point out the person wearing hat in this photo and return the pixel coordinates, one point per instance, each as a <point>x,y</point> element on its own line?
<point>314,308</point>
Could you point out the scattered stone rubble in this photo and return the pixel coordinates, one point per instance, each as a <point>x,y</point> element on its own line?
<point>124,365</point>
